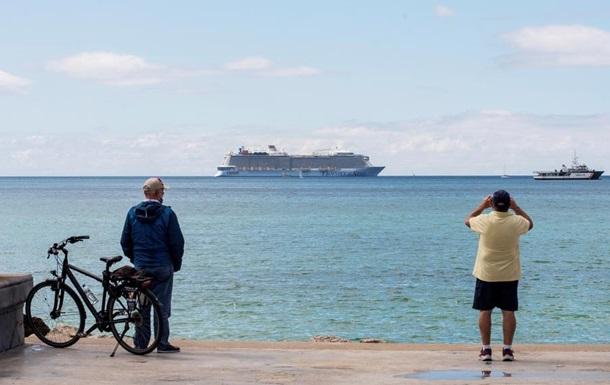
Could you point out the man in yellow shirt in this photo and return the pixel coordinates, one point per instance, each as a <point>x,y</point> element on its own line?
<point>497,266</point>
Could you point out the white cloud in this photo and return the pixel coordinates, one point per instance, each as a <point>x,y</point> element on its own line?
<point>443,11</point>
<point>480,143</point>
<point>560,46</point>
<point>255,63</point>
<point>260,65</point>
<point>24,156</point>
<point>13,83</point>
<point>111,68</point>
<point>154,154</point>
<point>129,70</point>
<point>476,143</point>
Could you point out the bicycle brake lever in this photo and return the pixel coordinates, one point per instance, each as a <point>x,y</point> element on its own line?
<point>52,250</point>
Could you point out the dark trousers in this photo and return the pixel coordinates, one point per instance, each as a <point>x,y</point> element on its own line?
<point>162,289</point>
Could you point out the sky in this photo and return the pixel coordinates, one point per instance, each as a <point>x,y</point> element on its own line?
<point>422,87</point>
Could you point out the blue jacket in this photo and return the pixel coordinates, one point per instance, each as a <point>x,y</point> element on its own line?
<point>152,236</point>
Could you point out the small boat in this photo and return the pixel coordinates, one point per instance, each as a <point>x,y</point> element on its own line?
<point>505,175</point>
<point>578,171</point>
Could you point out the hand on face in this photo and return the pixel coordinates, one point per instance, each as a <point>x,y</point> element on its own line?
<point>513,203</point>
<point>486,202</point>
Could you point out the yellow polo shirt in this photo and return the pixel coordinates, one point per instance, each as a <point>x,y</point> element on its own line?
<point>498,254</point>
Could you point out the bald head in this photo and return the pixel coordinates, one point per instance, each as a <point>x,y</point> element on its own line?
<point>154,188</point>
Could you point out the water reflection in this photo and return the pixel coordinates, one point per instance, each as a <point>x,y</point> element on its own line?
<point>487,373</point>
<point>453,375</point>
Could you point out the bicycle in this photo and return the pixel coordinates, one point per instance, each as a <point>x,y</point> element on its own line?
<point>125,306</point>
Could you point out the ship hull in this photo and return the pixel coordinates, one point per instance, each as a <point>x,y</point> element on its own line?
<point>345,172</point>
<point>595,175</point>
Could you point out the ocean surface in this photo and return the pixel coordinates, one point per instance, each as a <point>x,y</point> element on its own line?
<point>289,258</point>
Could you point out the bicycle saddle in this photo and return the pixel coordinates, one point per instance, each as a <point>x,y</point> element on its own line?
<point>111,260</point>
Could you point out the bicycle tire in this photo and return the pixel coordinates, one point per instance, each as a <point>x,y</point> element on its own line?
<point>132,327</point>
<point>61,329</point>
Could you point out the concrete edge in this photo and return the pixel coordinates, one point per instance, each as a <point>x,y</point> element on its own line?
<point>305,345</point>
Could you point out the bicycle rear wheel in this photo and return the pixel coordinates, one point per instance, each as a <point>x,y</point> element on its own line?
<point>131,321</point>
<point>55,314</point>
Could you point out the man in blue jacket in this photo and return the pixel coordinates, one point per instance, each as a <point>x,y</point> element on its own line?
<point>153,241</point>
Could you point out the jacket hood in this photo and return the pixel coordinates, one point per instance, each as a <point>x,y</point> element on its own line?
<point>148,211</point>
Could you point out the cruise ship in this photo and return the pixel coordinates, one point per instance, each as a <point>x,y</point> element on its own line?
<point>278,163</point>
<point>578,171</point>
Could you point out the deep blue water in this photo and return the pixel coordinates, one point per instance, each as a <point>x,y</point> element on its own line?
<point>289,258</point>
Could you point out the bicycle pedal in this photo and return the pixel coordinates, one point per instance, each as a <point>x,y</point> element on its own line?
<point>82,335</point>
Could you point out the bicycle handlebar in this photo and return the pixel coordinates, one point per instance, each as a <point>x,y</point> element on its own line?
<point>57,247</point>
<point>77,238</point>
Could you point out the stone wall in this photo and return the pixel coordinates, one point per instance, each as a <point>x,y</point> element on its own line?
<point>14,289</point>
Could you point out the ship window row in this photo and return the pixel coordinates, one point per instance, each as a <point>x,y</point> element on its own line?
<point>295,163</point>
<point>246,168</point>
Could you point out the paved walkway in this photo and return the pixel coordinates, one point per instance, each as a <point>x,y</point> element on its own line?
<point>88,362</point>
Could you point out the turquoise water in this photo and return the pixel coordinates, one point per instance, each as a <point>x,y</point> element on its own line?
<point>289,258</point>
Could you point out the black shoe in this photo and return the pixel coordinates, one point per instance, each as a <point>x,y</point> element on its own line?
<point>168,349</point>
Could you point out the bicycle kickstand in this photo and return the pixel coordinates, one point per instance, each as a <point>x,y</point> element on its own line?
<point>114,351</point>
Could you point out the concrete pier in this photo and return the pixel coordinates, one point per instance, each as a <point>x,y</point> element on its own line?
<point>208,362</point>
<point>14,289</point>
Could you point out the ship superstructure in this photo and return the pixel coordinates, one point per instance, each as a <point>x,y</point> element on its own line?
<point>272,162</point>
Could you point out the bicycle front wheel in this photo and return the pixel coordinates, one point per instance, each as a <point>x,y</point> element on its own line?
<point>55,314</point>
<point>135,319</point>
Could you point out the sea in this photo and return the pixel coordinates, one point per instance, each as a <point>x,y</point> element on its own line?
<point>274,259</point>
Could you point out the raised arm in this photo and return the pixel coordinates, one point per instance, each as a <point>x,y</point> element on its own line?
<point>519,211</point>
<point>486,203</point>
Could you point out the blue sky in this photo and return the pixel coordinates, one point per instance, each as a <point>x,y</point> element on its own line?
<point>431,88</point>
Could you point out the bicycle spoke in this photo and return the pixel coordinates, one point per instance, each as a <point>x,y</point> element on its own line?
<point>125,330</point>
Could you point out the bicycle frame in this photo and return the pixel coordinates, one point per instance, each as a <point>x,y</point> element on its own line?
<point>100,316</point>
